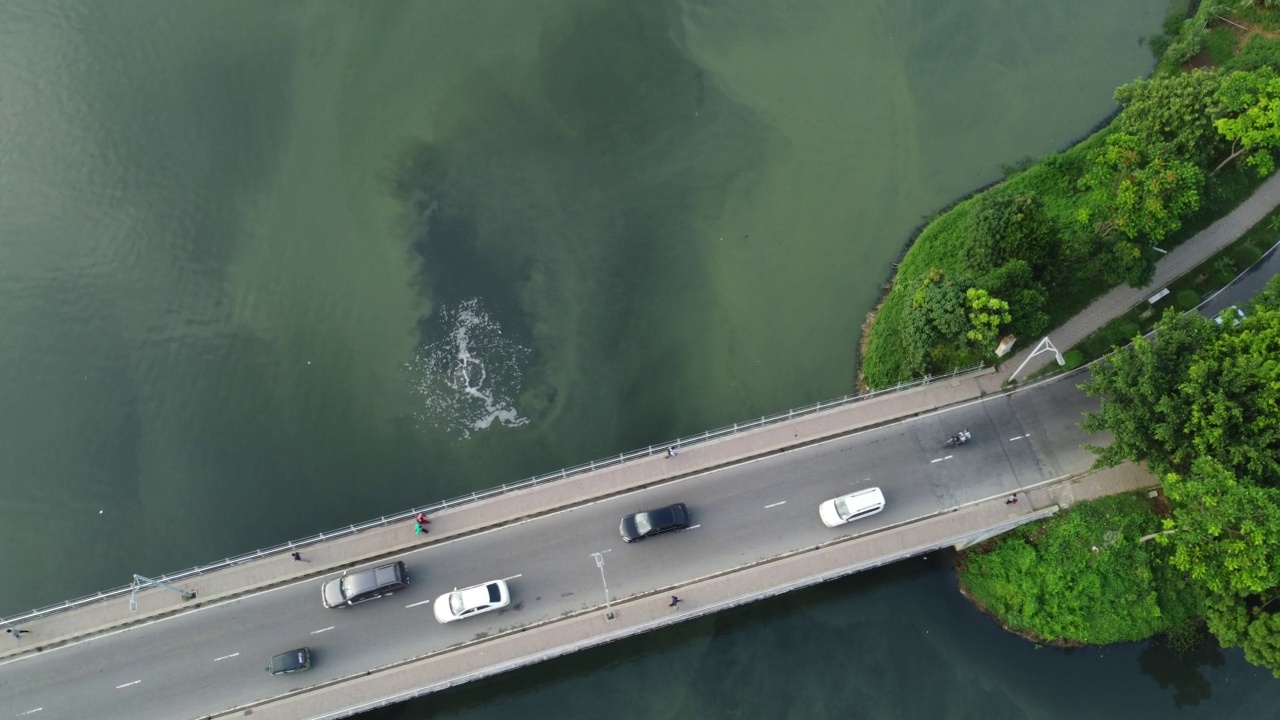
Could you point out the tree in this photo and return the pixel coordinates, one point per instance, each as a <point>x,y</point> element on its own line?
<point>1141,402</point>
<point>1005,227</point>
<point>1027,297</point>
<point>1232,391</point>
<point>1228,530</point>
<point>937,316</point>
<point>1148,189</point>
<point>1173,110</point>
<point>1248,104</point>
<point>986,315</point>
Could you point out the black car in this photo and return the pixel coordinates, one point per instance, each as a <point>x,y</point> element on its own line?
<point>363,585</point>
<point>654,522</point>
<point>290,662</point>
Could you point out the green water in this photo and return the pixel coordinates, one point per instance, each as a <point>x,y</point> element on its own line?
<point>271,268</point>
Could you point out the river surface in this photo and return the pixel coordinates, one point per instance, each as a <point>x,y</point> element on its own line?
<point>269,268</point>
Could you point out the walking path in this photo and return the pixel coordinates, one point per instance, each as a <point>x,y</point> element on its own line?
<point>1180,261</point>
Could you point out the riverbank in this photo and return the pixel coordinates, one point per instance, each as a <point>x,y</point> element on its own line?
<point>1037,248</point>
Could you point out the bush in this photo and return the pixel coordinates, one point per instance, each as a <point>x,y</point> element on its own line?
<point>1073,358</point>
<point>1122,333</point>
<point>1187,299</point>
<point>1222,270</point>
<point>1245,255</point>
<point>1080,576</point>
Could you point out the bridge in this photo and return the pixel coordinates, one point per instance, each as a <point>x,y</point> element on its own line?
<point>197,648</point>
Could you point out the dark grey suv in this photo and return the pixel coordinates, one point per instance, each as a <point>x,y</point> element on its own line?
<point>363,585</point>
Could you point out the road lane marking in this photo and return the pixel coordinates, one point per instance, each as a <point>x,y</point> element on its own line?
<point>513,577</point>
<point>226,657</point>
<point>412,605</point>
<point>695,527</point>
<point>591,555</point>
<point>784,502</point>
<point>1020,437</point>
<point>135,682</point>
<point>938,460</point>
<point>35,710</point>
<point>317,632</point>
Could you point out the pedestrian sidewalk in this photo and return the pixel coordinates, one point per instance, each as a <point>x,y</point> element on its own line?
<point>1180,261</point>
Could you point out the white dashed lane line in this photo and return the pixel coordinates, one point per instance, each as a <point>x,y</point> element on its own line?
<point>317,632</point>
<point>411,605</point>
<point>1020,437</point>
<point>31,711</point>
<point>226,657</point>
<point>120,687</point>
<point>938,460</point>
<point>784,502</point>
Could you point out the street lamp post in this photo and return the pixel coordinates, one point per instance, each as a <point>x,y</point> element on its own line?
<point>139,582</point>
<point>608,607</point>
<point>1043,346</point>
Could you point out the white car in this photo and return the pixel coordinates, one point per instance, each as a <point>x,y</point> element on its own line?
<point>474,600</point>
<point>848,508</point>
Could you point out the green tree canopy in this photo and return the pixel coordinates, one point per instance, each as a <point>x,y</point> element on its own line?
<point>937,316</point>
<point>1005,227</point>
<point>1146,190</point>
<point>1173,110</point>
<point>1248,106</point>
<point>1141,403</point>
<point>1227,530</point>
<point>986,315</point>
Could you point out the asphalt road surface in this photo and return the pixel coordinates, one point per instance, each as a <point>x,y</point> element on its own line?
<point>213,658</point>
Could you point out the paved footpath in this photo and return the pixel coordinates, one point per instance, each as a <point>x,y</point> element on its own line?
<point>1180,261</point>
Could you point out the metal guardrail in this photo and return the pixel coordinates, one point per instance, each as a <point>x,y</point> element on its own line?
<point>657,449</point>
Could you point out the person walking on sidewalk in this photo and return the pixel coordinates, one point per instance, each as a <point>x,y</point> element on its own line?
<point>421,519</point>
<point>675,601</point>
<point>671,451</point>
<point>16,633</point>
<point>418,529</point>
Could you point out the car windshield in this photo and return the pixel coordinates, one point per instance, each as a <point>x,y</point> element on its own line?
<point>842,508</point>
<point>644,523</point>
<point>456,604</point>
<point>348,586</point>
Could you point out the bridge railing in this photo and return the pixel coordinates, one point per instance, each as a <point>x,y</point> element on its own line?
<point>592,466</point>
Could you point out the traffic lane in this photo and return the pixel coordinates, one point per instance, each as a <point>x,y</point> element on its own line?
<point>151,671</point>
<point>964,473</point>
<point>1053,413</point>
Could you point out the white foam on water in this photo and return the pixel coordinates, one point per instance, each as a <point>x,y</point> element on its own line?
<point>470,377</point>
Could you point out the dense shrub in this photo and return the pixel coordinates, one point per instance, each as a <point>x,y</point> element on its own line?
<point>1245,255</point>
<point>1081,576</point>
<point>1187,299</point>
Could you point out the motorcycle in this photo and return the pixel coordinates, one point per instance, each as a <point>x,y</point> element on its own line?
<point>959,438</point>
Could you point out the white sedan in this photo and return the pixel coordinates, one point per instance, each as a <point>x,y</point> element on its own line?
<point>474,600</point>
<point>848,508</point>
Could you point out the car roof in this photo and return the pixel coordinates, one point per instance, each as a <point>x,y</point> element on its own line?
<point>477,596</point>
<point>291,660</point>
<point>865,498</point>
